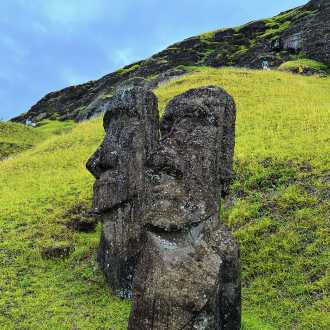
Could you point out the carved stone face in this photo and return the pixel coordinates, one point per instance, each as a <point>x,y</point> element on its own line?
<point>159,201</point>
<point>188,271</point>
<point>189,165</point>
<point>131,126</point>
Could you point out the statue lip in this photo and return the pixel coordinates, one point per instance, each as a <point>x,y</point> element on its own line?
<point>110,175</point>
<point>170,226</point>
<point>101,211</point>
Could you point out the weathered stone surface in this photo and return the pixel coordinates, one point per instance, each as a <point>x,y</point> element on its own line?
<point>188,274</point>
<point>159,204</point>
<point>134,82</point>
<point>207,117</point>
<point>188,279</point>
<point>131,126</point>
<point>187,178</point>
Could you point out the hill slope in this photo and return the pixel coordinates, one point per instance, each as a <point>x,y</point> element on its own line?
<point>15,137</point>
<point>302,32</point>
<point>279,210</point>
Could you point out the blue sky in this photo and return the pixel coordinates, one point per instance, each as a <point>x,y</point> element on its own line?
<point>46,45</point>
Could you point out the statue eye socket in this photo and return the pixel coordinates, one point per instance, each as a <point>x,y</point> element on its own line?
<point>196,121</point>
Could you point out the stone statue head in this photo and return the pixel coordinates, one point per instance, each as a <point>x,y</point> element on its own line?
<point>131,126</point>
<point>200,123</point>
<point>194,161</point>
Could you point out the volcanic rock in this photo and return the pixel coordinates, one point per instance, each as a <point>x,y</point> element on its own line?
<point>131,125</point>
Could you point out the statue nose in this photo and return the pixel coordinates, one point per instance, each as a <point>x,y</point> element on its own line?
<point>102,161</point>
<point>93,164</point>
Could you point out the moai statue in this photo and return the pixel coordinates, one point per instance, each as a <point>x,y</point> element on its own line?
<point>159,202</point>
<point>188,273</point>
<point>131,125</point>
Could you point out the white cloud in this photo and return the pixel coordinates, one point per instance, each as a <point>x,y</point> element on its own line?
<point>71,11</point>
<point>121,57</point>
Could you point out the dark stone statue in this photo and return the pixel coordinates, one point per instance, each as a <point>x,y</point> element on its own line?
<point>132,127</point>
<point>160,200</point>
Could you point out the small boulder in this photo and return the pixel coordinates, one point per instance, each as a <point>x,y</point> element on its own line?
<point>56,252</point>
<point>81,219</point>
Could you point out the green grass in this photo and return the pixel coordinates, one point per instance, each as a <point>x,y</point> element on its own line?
<point>128,69</point>
<point>300,65</point>
<point>54,127</point>
<point>274,29</point>
<point>37,189</point>
<point>279,114</point>
<point>279,210</point>
<point>280,23</point>
<point>15,138</point>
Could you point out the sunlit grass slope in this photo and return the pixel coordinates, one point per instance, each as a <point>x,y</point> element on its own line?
<point>279,210</point>
<point>280,207</point>
<point>37,189</point>
<point>15,138</point>
<point>282,115</point>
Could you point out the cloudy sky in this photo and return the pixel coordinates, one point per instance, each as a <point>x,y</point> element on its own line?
<point>46,45</point>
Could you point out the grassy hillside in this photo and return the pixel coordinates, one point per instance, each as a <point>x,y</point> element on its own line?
<point>279,210</point>
<point>303,66</point>
<point>280,203</point>
<point>15,138</point>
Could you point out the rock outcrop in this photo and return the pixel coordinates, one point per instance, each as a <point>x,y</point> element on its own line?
<point>300,32</point>
<point>310,32</point>
<point>159,200</point>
